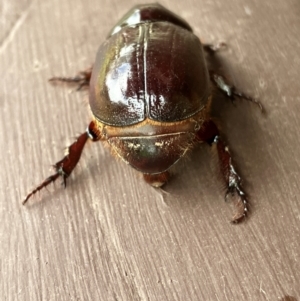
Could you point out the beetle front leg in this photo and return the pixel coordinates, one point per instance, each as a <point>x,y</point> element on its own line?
<point>209,133</point>
<point>229,90</point>
<point>65,166</point>
<point>82,79</point>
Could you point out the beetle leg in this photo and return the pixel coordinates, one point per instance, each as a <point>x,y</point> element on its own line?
<point>82,79</point>
<point>65,166</point>
<point>229,90</point>
<point>212,48</point>
<point>210,134</point>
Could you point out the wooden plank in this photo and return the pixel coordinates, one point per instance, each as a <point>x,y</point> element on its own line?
<point>109,236</point>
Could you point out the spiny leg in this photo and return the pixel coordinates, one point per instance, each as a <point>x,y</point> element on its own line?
<point>220,81</point>
<point>209,133</point>
<point>82,79</point>
<point>229,90</point>
<point>65,166</point>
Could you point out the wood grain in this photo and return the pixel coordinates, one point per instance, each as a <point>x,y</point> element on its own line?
<point>109,236</point>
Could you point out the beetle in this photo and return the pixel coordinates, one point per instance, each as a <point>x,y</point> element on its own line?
<point>150,93</point>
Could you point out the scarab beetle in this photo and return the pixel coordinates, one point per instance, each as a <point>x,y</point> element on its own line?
<point>150,93</point>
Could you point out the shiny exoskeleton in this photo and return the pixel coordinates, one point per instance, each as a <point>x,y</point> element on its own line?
<point>150,93</point>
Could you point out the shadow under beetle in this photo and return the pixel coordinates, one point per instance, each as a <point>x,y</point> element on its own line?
<point>150,93</point>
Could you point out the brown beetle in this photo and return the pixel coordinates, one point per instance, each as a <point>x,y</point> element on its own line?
<point>150,96</point>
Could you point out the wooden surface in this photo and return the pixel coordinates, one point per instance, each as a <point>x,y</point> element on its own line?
<point>109,236</point>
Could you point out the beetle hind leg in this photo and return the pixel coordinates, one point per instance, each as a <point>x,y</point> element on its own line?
<point>209,133</point>
<point>82,79</point>
<point>65,166</point>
